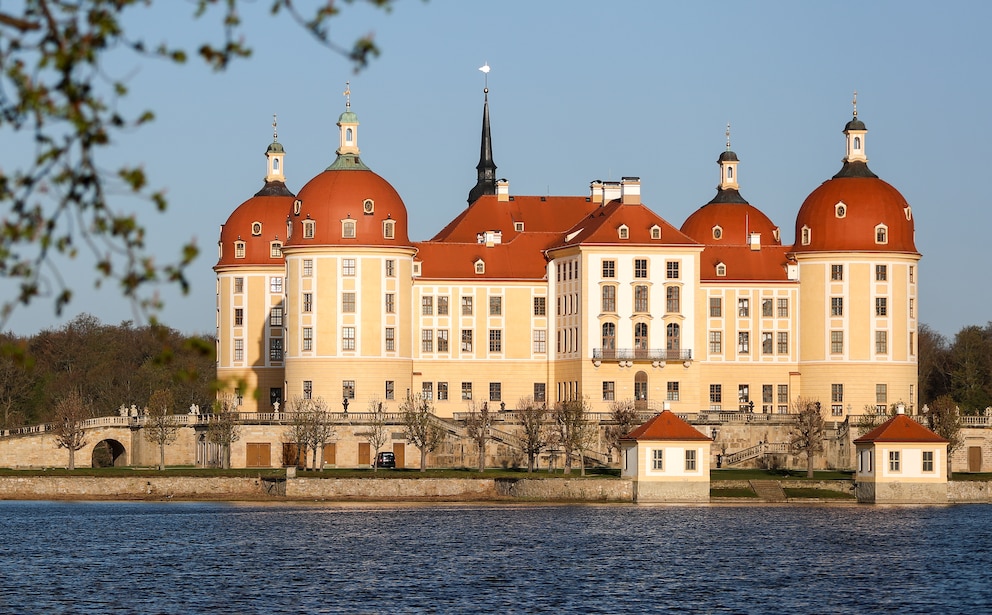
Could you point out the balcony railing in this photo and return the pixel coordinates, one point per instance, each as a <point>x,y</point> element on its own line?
<point>641,354</point>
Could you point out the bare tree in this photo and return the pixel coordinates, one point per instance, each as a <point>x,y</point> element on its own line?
<point>161,426</point>
<point>625,418</point>
<point>422,428</point>
<point>70,412</point>
<point>807,433</point>
<point>574,430</point>
<point>478,424</point>
<point>377,435</point>
<point>944,419</point>
<point>322,430</point>
<point>534,421</point>
<point>299,425</point>
<point>870,419</point>
<point>224,428</point>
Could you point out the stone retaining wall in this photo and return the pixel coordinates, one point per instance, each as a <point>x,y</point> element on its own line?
<point>126,488</point>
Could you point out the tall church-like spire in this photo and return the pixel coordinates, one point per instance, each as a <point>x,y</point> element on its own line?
<point>486,169</point>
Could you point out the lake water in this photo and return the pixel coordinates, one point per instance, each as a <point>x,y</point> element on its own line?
<point>138,557</point>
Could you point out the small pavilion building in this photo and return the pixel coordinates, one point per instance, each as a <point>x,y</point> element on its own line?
<point>901,462</point>
<point>668,460</point>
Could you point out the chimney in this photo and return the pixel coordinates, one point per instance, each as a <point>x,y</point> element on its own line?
<point>630,190</point>
<point>502,190</point>
<point>755,241</point>
<point>611,191</point>
<point>596,191</point>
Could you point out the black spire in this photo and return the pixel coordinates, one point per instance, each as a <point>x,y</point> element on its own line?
<point>486,168</point>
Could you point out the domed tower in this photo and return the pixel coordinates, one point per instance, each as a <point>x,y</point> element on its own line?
<point>748,298</point>
<point>250,271</point>
<point>858,269</point>
<point>349,270</point>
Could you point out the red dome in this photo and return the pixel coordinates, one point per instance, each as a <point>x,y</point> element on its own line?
<point>734,221</point>
<point>335,195</point>
<point>849,213</point>
<point>257,222</point>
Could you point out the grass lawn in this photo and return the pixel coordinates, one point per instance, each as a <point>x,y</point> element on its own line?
<point>971,476</point>
<point>822,494</point>
<point>759,474</point>
<point>723,492</point>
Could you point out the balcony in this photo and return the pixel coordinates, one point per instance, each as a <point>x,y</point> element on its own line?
<point>640,354</point>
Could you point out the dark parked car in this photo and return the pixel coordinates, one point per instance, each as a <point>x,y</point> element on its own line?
<point>385,460</point>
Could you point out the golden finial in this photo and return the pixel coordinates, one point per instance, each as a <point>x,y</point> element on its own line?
<point>728,136</point>
<point>855,103</point>
<point>347,95</point>
<point>275,130</point>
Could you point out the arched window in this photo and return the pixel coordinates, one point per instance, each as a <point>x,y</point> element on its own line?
<point>721,270</point>
<point>609,336</point>
<point>806,235</point>
<point>881,234</point>
<point>275,165</point>
<point>857,142</point>
<point>730,172</point>
<point>673,335</point>
<point>349,136</point>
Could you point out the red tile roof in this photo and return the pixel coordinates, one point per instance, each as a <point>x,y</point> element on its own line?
<point>900,428</point>
<point>601,227</point>
<point>538,213</point>
<point>745,264</point>
<point>522,257</point>
<point>666,426</point>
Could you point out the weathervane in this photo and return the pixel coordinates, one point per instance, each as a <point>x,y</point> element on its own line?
<point>485,69</point>
<point>728,136</point>
<point>855,103</point>
<point>347,95</point>
<point>275,130</point>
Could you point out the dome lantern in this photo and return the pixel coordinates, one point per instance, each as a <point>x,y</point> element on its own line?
<point>728,167</point>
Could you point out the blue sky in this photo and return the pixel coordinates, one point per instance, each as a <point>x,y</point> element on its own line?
<point>579,90</point>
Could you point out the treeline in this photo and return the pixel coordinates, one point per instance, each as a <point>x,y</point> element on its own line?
<point>960,368</point>
<point>108,365</point>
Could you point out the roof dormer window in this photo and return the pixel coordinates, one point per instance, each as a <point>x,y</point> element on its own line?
<point>275,249</point>
<point>289,227</point>
<point>256,228</point>
<point>309,227</point>
<point>717,232</point>
<point>623,232</point>
<point>389,229</point>
<point>881,234</point>
<point>840,209</point>
<point>518,227</point>
<point>297,204</point>
<point>368,207</point>
<point>655,232</point>
<point>721,270</point>
<point>908,211</point>
<point>806,235</point>
<point>480,266</point>
<point>348,229</point>
<point>239,249</point>
<point>416,269</point>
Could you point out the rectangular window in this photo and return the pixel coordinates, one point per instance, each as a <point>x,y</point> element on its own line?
<point>640,267</point>
<point>239,249</point>
<point>239,317</point>
<point>783,342</point>
<point>716,307</point>
<point>275,349</point>
<point>783,308</point>
<point>496,306</point>
<point>390,268</point>
<point>716,342</point>
<point>427,340</point>
<point>442,391</point>
<point>766,308</point>
<point>427,390</point>
<point>348,338</point>
<point>307,302</point>
<point>442,305</point>
<point>275,250</point>
<point>540,306</point>
<point>239,285</point>
<point>767,397</point>
<point>716,395</point>
<point>427,305</point>
<point>390,303</point>
<point>307,338</point>
<point>743,308</point>
<point>390,338</point>
<point>466,340</point>
<point>348,389</point>
<point>837,272</point>
<point>348,303</point>
<point>881,342</point>
<point>912,312</point>
<point>307,267</point>
<point>783,393</point>
<point>307,389</point>
<point>836,342</point>
<point>609,269</point>
<point>348,266</point>
<point>881,306</point>
<point>744,342</point>
<point>672,392</point>
<point>239,350</point>
<point>836,399</point>
<point>390,389</point>
<point>495,340</point>
<point>672,270</point>
<point>442,340</point>
<point>275,316</point>
<point>275,285</point>
<point>911,274</point>
<point>466,306</point>
<point>658,459</point>
<point>743,395</point>
<point>495,391</point>
<point>893,461</point>
<point>928,461</point>
<point>609,302</point>
<point>881,273</point>
<point>766,343</point>
<point>467,390</point>
<point>837,306</point>
<point>540,392</point>
<point>540,340</point>
<point>881,394</point>
<point>609,390</point>
<point>690,461</point>
<point>640,298</point>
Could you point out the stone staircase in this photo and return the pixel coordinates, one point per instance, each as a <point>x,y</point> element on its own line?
<point>768,490</point>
